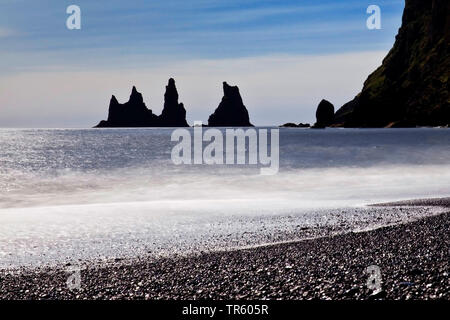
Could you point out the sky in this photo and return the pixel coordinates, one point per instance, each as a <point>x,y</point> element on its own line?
<point>285,56</point>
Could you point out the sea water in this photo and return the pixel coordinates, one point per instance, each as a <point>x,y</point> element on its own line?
<point>98,194</point>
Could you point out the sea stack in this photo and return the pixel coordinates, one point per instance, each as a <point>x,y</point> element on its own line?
<point>411,86</point>
<point>324,114</point>
<point>231,112</point>
<point>133,113</point>
<point>174,113</point>
<point>294,125</point>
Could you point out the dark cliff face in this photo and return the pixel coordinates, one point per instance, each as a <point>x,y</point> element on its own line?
<point>173,114</point>
<point>134,113</point>
<point>231,111</point>
<point>411,87</point>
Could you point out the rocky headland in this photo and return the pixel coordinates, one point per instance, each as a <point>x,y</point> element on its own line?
<point>411,87</point>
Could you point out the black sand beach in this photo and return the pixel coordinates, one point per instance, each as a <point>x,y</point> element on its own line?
<point>413,259</point>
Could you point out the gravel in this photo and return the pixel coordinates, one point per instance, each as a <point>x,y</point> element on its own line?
<point>413,260</point>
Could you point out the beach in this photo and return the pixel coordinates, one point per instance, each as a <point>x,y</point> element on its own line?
<point>201,152</point>
<point>413,259</point>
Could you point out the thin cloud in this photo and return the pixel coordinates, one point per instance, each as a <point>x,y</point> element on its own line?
<point>7,32</point>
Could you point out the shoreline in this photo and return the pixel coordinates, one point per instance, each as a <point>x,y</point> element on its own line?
<point>413,258</point>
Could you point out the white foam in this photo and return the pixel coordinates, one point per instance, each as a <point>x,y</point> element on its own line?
<point>88,194</point>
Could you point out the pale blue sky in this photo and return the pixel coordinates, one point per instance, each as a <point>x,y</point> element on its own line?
<point>133,41</point>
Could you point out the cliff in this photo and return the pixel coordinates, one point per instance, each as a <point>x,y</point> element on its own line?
<point>231,111</point>
<point>411,86</point>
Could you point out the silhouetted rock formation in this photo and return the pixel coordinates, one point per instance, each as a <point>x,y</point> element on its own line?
<point>324,114</point>
<point>411,87</point>
<point>134,113</point>
<point>289,125</point>
<point>293,125</point>
<point>173,114</point>
<point>231,112</point>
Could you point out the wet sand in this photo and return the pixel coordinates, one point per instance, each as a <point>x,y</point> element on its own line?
<point>413,259</point>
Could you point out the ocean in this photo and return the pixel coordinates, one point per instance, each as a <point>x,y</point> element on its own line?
<point>71,195</point>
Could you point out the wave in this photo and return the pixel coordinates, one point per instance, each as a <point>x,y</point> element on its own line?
<point>296,188</point>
